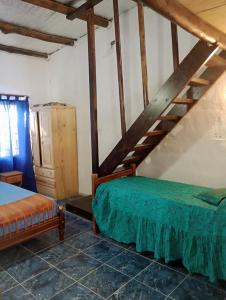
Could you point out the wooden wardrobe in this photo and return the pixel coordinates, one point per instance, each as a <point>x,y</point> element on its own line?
<point>54,147</point>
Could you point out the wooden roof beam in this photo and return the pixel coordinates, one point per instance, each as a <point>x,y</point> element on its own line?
<point>67,10</point>
<point>83,9</point>
<point>179,14</point>
<point>12,28</point>
<point>16,50</point>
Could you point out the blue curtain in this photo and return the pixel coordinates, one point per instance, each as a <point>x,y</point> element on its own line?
<point>15,144</point>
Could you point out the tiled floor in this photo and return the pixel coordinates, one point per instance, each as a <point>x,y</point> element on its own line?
<point>88,267</point>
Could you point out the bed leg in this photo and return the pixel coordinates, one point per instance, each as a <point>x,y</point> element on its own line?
<point>133,168</point>
<point>94,187</point>
<point>61,227</point>
<point>95,227</point>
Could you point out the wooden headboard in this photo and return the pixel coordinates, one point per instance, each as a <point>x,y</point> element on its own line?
<point>124,173</point>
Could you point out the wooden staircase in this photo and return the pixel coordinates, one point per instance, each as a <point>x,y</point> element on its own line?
<point>167,108</point>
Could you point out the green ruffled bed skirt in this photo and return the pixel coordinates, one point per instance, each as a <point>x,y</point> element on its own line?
<point>152,228</point>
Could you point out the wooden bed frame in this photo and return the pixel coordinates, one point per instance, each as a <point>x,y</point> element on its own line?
<point>96,181</point>
<point>34,230</point>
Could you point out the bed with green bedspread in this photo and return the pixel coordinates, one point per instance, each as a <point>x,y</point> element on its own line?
<point>164,217</point>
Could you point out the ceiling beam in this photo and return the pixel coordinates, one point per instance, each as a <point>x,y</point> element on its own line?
<point>179,14</point>
<point>12,28</point>
<point>83,9</point>
<point>16,50</point>
<point>66,10</point>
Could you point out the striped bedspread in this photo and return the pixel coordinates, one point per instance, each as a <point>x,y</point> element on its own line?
<point>20,209</point>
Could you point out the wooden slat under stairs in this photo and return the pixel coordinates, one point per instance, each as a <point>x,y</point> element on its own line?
<point>142,147</point>
<point>129,149</point>
<point>216,61</point>
<point>156,133</point>
<point>171,118</point>
<point>130,160</point>
<point>196,81</point>
<point>183,101</point>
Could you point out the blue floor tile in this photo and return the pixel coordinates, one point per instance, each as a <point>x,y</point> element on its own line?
<point>13,255</point>
<point>147,254</point>
<point>192,289</point>
<point>135,290</point>
<point>160,278</point>
<point>27,268</point>
<point>220,284</point>
<point>76,292</point>
<point>129,263</point>
<point>123,245</point>
<point>71,218</point>
<point>51,235</point>
<point>78,266</point>
<point>6,281</point>
<point>178,266</point>
<point>17,293</point>
<point>80,225</point>
<point>83,241</point>
<point>47,284</point>
<point>104,281</point>
<point>38,243</point>
<point>106,268</point>
<point>103,251</point>
<point>57,253</point>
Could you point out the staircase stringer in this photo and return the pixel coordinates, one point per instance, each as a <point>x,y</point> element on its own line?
<point>196,58</point>
<point>197,93</point>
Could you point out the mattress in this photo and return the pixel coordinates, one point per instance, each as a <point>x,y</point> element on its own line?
<point>11,194</point>
<point>166,218</point>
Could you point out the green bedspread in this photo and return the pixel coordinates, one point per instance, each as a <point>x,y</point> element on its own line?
<point>164,217</point>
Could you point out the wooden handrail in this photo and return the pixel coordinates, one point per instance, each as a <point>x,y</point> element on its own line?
<point>179,14</point>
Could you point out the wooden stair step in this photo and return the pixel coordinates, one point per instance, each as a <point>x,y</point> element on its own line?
<point>183,101</point>
<point>142,147</point>
<point>172,118</point>
<point>196,81</point>
<point>216,61</point>
<point>120,169</point>
<point>130,159</point>
<point>156,133</point>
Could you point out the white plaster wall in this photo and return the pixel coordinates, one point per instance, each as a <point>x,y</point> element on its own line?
<point>188,154</point>
<point>69,80</point>
<point>191,153</point>
<point>24,75</point>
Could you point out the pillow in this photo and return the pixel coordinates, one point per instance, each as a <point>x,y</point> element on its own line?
<point>214,196</point>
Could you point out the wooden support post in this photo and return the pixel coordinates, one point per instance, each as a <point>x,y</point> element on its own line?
<point>94,187</point>
<point>93,90</point>
<point>175,45</point>
<point>143,51</point>
<point>61,217</point>
<point>119,66</point>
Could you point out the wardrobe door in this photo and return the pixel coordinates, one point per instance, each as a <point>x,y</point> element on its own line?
<point>35,138</point>
<point>45,123</point>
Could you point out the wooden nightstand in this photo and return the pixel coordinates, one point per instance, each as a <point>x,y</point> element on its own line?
<point>13,177</point>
